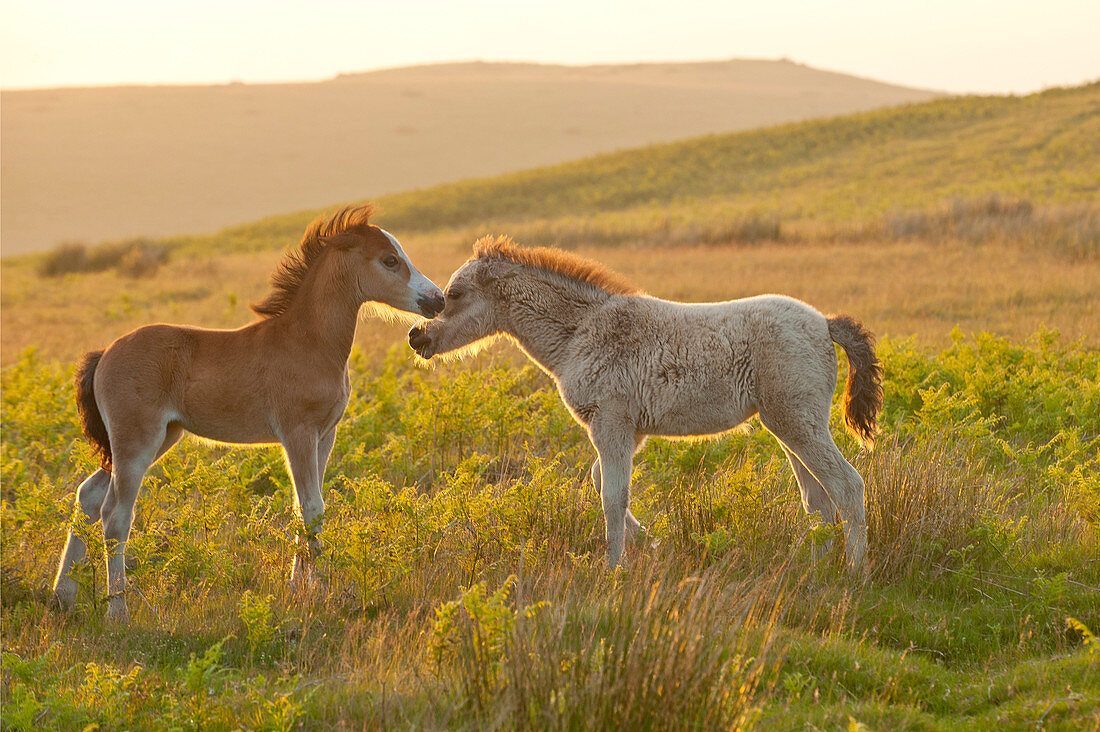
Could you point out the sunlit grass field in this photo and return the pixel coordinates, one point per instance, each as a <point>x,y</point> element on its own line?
<point>466,584</point>
<point>465,581</point>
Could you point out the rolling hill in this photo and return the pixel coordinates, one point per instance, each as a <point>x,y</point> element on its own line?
<point>103,163</point>
<point>973,212</point>
<point>816,178</point>
<point>1044,147</point>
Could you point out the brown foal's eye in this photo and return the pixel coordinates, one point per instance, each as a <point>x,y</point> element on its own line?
<point>453,295</point>
<point>390,261</point>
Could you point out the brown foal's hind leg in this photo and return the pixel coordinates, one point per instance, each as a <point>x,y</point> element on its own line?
<point>89,499</point>
<point>131,461</point>
<point>324,448</point>
<point>302,449</point>
<point>118,517</point>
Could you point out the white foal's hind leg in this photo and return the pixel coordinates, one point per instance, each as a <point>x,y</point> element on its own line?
<point>89,499</point>
<point>822,458</point>
<point>302,451</point>
<point>815,499</point>
<point>615,447</point>
<point>846,487</point>
<point>855,512</point>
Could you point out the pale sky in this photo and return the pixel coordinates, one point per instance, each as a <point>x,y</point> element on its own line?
<point>986,46</point>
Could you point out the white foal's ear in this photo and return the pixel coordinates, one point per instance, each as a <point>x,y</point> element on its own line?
<point>492,270</point>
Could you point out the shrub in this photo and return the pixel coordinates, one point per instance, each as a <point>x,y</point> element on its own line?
<point>1073,231</point>
<point>66,258</point>
<point>132,258</point>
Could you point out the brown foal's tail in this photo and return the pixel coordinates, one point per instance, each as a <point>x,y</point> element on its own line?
<point>863,392</point>
<point>91,421</point>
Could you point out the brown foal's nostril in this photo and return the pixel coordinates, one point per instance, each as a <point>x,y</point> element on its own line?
<point>430,306</point>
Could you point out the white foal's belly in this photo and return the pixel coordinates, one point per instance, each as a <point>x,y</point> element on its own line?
<point>684,412</point>
<point>698,421</point>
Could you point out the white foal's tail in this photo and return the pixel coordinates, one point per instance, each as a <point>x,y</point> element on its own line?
<point>863,392</point>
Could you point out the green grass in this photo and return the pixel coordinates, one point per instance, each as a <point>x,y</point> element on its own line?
<point>466,586</point>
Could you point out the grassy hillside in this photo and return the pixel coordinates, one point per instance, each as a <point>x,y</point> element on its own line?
<point>835,173</point>
<point>1044,147</point>
<point>151,161</point>
<point>975,212</point>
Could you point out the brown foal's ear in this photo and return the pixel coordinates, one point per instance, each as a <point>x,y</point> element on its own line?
<point>343,241</point>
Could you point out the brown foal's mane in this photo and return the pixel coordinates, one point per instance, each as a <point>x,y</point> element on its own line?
<point>288,276</point>
<point>561,262</point>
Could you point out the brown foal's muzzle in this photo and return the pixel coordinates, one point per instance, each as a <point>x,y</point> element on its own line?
<point>430,306</point>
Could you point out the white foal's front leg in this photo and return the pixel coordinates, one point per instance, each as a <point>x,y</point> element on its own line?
<point>615,445</point>
<point>634,529</point>
<point>302,449</point>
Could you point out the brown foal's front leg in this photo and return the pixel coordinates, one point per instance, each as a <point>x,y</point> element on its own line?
<point>302,449</point>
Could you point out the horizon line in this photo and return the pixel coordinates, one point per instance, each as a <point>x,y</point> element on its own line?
<point>236,81</point>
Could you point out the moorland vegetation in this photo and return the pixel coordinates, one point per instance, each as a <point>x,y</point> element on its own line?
<point>465,580</point>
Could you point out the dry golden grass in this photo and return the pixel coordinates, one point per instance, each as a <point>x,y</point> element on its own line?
<point>899,288</point>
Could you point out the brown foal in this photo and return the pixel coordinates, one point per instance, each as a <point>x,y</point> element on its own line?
<point>281,379</point>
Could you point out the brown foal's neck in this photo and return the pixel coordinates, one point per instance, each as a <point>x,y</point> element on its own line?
<point>325,310</point>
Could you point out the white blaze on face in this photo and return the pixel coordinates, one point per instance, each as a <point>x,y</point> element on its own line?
<point>421,285</point>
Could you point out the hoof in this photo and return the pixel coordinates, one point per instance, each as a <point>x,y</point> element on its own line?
<point>64,591</point>
<point>861,573</point>
<point>117,612</point>
<point>305,576</point>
